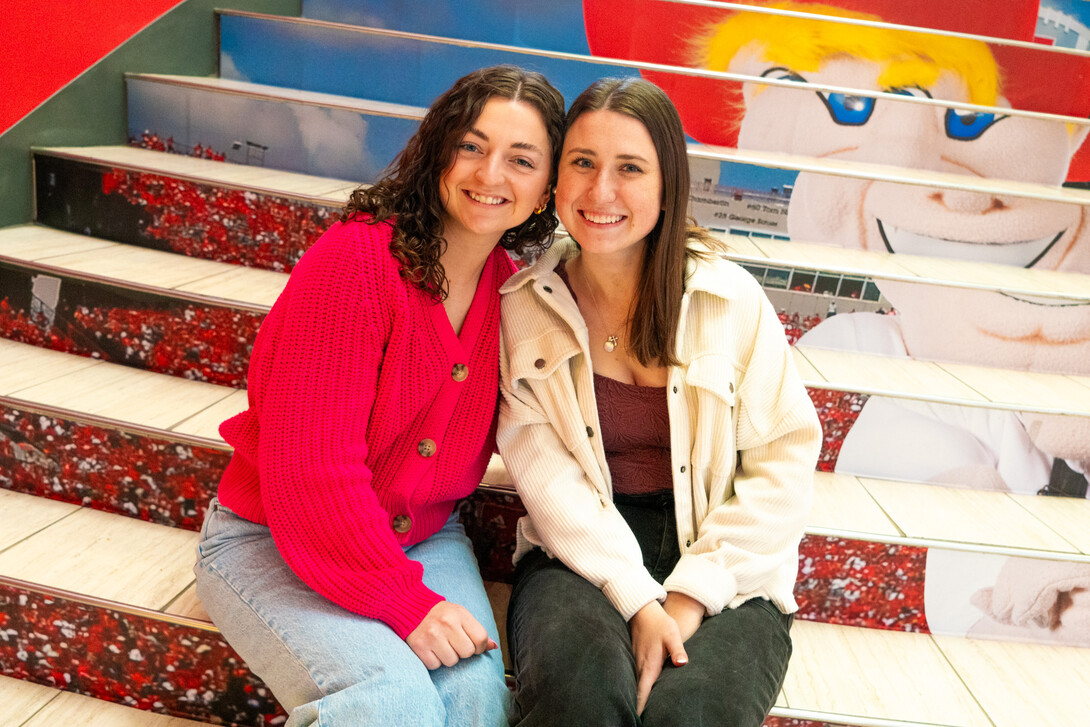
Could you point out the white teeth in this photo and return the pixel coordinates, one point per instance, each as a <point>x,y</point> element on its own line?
<point>602,219</point>
<point>483,199</point>
<point>1021,253</point>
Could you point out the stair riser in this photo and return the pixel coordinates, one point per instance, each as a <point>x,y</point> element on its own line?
<point>164,482</point>
<point>208,221</point>
<point>144,330</point>
<point>297,137</point>
<point>137,661</point>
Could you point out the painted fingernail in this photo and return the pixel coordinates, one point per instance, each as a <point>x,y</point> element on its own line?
<point>492,645</point>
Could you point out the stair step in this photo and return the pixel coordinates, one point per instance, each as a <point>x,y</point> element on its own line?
<point>89,258</point>
<point>422,67</point>
<point>869,374</point>
<point>165,408</point>
<point>101,392</point>
<point>947,383</point>
<point>89,167</point>
<point>284,129</point>
<point>911,677</point>
<point>870,171</point>
<point>27,704</point>
<point>206,171</point>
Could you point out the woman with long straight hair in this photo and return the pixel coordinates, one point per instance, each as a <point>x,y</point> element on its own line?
<point>661,440</point>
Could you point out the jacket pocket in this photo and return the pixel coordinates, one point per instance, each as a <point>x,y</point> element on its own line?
<point>714,374</point>
<point>539,358</point>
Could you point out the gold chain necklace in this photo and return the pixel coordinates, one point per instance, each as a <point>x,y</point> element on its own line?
<point>612,339</point>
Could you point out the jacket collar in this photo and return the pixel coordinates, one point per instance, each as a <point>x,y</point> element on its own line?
<point>562,248</point>
<point>700,275</point>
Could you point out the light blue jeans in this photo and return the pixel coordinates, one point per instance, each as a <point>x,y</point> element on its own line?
<point>330,667</point>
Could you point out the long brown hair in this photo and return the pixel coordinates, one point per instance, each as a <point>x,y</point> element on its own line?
<point>409,192</point>
<point>653,328</point>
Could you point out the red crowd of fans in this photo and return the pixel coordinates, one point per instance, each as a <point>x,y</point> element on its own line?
<point>862,583</point>
<point>151,479</point>
<point>795,325</point>
<point>226,225</point>
<point>149,140</point>
<point>140,662</point>
<point>194,342</point>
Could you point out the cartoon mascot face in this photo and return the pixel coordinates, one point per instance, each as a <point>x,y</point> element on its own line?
<point>937,322</point>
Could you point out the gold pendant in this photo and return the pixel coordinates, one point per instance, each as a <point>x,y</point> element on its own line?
<point>611,343</point>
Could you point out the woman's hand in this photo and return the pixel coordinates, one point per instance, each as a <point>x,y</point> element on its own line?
<point>686,611</point>
<point>655,635</point>
<point>448,633</point>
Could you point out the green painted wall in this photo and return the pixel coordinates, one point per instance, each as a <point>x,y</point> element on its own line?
<point>91,109</point>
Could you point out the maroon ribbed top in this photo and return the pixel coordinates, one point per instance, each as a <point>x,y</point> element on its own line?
<point>635,426</point>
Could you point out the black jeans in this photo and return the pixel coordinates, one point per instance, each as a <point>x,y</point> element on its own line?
<point>572,650</point>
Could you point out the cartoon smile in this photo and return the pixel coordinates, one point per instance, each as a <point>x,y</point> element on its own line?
<point>1022,253</point>
<point>1048,302</point>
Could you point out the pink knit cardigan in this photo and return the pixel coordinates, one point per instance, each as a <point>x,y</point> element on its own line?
<point>357,418</point>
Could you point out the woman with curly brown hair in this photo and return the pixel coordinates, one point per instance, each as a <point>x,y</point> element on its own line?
<point>331,559</point>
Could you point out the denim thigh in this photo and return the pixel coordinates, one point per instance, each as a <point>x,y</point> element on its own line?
<point>327,665</point>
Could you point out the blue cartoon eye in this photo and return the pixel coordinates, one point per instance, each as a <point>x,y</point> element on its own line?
<point>848,110</point>
<point>968,125</point>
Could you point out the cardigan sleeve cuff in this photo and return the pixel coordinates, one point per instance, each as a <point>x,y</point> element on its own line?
<point>405,612</point>
<point>632,590</point>
<point>705,581</point>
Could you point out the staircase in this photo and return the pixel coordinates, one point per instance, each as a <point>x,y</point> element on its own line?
<point>128,309</point>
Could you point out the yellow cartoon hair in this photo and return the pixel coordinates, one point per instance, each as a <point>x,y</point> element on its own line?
<point>803,44</point>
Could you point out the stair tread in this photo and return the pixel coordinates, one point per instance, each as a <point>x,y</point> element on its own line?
<point>22,699</point>
<point>23,517</point>
<point>890,173</point>
<point>1023,684</point>
<point>27,704</point>
<point>139,266</point>
<point>949,383</point>
<point>106,556</point>
<point>294,184</point>
<point>104,390</point>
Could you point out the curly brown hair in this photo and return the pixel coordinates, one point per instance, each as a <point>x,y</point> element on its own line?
<point>409,192</point>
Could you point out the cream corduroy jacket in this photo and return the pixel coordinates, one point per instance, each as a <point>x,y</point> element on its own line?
<point>744,440</point>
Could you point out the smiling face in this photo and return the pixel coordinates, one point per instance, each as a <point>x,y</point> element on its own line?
<point>609,186</point>
<point>499,175</point>
<point>986,327</point>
